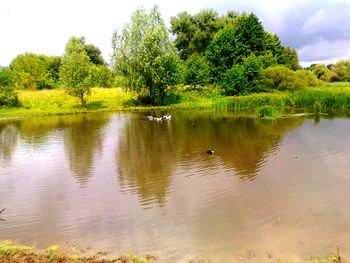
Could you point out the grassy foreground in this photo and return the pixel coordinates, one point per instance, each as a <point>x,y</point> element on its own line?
<point>54,102</point>
<point>11,252</point>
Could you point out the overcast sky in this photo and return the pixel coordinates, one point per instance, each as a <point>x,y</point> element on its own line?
<point>318,29</point>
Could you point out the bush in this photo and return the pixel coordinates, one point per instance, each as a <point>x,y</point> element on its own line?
<point>284,79</point>
<point>323,73</point>
<point>342,70</point>
<point>308,78</point>
<point>8,97</point>
<point>243,78</point>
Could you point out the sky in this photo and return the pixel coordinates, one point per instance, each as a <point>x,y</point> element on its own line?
<point>318,29</point>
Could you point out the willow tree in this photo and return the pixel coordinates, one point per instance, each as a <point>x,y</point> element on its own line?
<point>145,56</point>
<point>76,70</point>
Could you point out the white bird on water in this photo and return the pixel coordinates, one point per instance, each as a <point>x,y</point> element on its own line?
<point>167,117</point>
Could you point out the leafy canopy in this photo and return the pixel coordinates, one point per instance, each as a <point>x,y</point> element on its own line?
<point>31,71</point>
<point>145,56</point>
<point>76,70</point>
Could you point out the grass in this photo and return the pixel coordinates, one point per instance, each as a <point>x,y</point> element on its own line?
<point>11,252</point>
<point>7,248</point>
<point>55,102</point>
<point>267,112</point>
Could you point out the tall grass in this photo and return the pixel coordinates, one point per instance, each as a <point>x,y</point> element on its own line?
<point>58,101</point>
<point>50,102</point>
<point>323,98</point>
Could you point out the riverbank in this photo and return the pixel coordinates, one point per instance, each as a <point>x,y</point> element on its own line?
<point>57,102</point>
<point>11,252</point>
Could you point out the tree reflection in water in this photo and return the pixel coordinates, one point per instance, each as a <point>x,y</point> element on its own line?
<point>149,152</point>
<point>8,141</point>
<point>83,139</point>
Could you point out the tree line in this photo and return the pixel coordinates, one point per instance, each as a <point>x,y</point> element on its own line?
<point>232,52</point>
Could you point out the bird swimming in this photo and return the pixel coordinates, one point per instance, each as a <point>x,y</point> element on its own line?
<point>167,117</point>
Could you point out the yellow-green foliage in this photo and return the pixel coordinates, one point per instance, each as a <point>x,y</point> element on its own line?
<point>283,79</point>
<point>57,101</point>
<point>52,252</point>
<point>7,248</point>
<point>324,98</point>
<point>342,70</point>
<point>323,73</point>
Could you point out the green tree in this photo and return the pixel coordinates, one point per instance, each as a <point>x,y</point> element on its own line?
<point>235,42</point>
<point>6,77</point>
<point>250,36</point>
<point>76,70</point>
<point>193,33</point>
<point>93,52</point>
<point>101,76</point>
<point>145,55</point>
<point>243,78</point>
<point>221,52</point>
<point>197,70</point>
<point>31,71</point>
<point>289,58</point>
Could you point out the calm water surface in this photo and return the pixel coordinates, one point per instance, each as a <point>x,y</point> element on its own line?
<point>112,182</point>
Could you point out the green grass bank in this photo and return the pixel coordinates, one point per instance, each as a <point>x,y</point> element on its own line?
<point>55,102</point>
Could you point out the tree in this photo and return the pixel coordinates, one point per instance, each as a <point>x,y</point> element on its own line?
<point>193,33</point>
<point>243,78</point>
<point>289,58</point>
<point>237,41</point>
<point>197,70</point>
<point>221,52</point>
<point>145,55</point>
<point>75,70</point>
<point>250,36</point>
<point>101,76</point>
<point>31,71</point>
<point>93,52</point>
<point>6,77</point>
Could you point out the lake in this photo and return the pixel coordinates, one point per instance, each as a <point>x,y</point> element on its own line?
<point>274,189</point>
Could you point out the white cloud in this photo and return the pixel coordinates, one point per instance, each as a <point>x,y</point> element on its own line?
<point>324,51</point>
<point>44,26</point>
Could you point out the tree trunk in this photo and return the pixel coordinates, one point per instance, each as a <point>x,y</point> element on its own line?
<point>83,101</point>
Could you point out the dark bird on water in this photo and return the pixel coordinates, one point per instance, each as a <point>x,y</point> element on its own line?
<point>210,152</point>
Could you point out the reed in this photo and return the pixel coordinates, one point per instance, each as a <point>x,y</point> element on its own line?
<point>55,102</point>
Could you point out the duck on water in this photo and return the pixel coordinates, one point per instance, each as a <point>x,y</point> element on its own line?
<point>154,118</point>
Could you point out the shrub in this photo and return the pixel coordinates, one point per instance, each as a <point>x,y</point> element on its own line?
<point>308,77</point>
<point>8,97</point>
<point>342,70</point>
<point>281,78</point>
